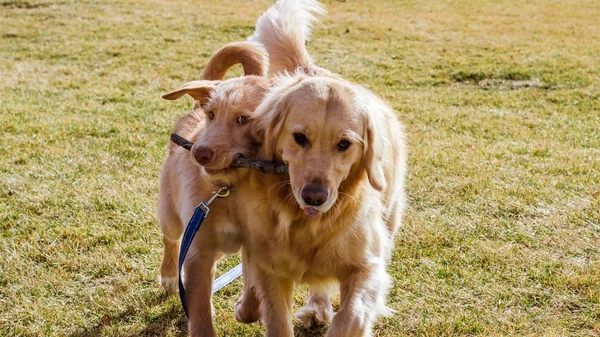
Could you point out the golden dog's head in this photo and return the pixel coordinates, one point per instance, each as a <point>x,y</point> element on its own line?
<point>324,129</point>
<point>229,108</point>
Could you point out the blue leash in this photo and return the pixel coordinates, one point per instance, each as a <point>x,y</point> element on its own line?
<point>200,213</point>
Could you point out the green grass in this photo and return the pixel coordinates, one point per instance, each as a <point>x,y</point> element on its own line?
<point>502,234</point>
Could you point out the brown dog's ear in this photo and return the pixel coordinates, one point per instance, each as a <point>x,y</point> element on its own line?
<point>374,145</point>
<point>199,90</point>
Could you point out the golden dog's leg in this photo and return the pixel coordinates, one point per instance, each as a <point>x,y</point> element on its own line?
<point>199,273</point>
<point>276,304</point>
<point>247,309</point>
<point>318,309</point>
<point>362,297</point>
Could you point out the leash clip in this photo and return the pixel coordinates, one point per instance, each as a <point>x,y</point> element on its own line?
<point>222,192</point>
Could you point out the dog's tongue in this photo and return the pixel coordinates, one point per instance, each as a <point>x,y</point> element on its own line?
<point>310,211</point>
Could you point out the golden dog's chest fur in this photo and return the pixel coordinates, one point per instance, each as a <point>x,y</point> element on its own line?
<point>311,250</point>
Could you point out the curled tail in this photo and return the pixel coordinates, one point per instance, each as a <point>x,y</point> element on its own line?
<point>251,55</point>
<point>283,30</point>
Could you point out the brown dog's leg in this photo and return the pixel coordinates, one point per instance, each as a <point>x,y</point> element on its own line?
<point>199,272</point>
<point>168,268</point>
<point>247,309</point>
<point>318,309</point>
<point>171,229</point>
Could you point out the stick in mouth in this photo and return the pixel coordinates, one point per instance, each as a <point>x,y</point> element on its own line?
<point>260,165</point>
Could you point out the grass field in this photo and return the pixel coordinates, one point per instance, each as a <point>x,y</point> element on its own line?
<point>501,102</point>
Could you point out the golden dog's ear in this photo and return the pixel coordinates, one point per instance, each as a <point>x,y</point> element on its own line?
<point>273,111</point>
<point>270,122</point>
<point>199,90</point>
<point>374,145</point>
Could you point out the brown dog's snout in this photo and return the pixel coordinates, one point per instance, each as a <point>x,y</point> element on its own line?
<point>203,155</point>
<point>314,195</point>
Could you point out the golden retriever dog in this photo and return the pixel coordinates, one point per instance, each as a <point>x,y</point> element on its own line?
<point>335,217</point>
<point>221,116</point>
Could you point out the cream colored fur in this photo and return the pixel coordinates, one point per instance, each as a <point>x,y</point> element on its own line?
<point>283,30</point>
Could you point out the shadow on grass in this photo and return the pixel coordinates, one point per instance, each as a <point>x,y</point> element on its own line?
<point>155,326</point>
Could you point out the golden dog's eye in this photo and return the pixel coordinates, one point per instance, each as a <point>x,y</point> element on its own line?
<point>242,119</point>
<point>211,115</point>
<point>343,145</point>
<point>300,138</point>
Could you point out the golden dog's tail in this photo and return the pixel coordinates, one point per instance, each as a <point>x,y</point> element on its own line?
<point>283,29</point>
<point>251,55</point>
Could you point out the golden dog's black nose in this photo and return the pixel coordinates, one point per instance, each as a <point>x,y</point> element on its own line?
<point>203,155</point>
<point>314,195</point>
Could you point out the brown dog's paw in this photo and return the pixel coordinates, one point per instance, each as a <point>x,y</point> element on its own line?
<point>169,284</point>
<point>310,316</point>
<point>245,315</point>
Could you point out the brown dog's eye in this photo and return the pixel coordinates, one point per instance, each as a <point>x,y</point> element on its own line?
<point>343,145</point>
<point>242,119</point>
<point>211,115</point>
<point>300,138</point>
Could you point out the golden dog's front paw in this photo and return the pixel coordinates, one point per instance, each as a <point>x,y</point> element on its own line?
<point>310,316</point>
<point>246,315</point>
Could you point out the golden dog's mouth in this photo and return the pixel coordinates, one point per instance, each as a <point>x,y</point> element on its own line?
<point>311,211</point>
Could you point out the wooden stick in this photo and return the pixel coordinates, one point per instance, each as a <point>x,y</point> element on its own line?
<point>260,165</point>
<point>184,143</point>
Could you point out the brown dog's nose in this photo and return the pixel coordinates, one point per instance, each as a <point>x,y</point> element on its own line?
<point>203,155</point>
<point>314,195</point>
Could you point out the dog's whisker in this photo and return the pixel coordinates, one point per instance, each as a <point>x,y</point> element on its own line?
<point>289,198</point>
<point>279,183</point>
<point>283,184</point>
<point>349,196</point>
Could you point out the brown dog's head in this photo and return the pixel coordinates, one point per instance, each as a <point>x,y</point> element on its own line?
<point>325,130</point>
<point>229,109</point>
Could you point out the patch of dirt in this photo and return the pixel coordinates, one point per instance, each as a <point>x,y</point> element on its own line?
<point>512,84</point>
<point>22,4</point>
<point>511,80</point>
